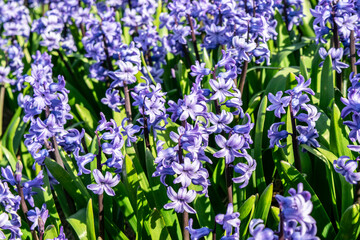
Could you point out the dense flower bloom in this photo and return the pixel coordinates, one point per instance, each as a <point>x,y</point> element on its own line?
<point>295,210</point>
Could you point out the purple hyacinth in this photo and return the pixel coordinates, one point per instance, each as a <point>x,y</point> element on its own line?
<point>180,201</point>
<point>104,183</point>
<point>35,215</point>
<point>229,148</point>
<point>245,170</point>
<point>229,221</point>
<point>347,168</point>
<point>259,232</point>
<point>278,103</point>
<point>197,234</point>
<point>275,135</point>
<point>295,213</point>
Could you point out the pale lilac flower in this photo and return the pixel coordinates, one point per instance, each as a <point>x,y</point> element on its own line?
<point>180,200</point>
<point>104,183</point>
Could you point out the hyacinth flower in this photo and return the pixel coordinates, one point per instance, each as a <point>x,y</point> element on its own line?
<point>149,99</point>
<point>230,222</point>
<point>104,183</point>
<point>180,200</point>
<point>38,217</point>
<point>295,211</point>
<point>197,234</point>
<point>51,98</point>
<point>297,101</point>
<point>9,219</point>
<point>295,219</point>
<point>15,20</point>
<point>258,231</point>
<point>347,168</point>
<point>292,12</point>
<point>336,56</point>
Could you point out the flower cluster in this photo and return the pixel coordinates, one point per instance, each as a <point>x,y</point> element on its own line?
<point>101,39</point>
<point>54,31</point>
<point>292,12</point>
<point>9,219</point>
<point>300,109</point>
<point>129,63</point>
<point>343,19</point>
<point>188,167</point>
<point>15,20</point>
<point>112,145</point>
<point>27,186</point>
<point>151,105</point>
<point>295,219</point>
<point>52,98</point>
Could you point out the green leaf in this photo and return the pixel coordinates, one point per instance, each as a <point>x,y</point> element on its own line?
<point>157,226</point>
<point>10,157</point>
<point>248,209</point>
<point>126,208</point>
<point>247,206</point>
<point>67,182</point>
<point>264,204</point>
<point>327,84</point>
<point>349,224</point>
<point>86,116</point>
<point>78,223</point>
<point>292,178</point>
<point>50,232</point>
<point>259,130</point>
<point>90,223</point>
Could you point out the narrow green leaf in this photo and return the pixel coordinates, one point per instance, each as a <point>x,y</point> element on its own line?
<point>264,204</point>
<point>78,223</point>
<point>259,130</point>
<point>50,232</point>
<point>349,224</point>
<point>86,116</point>
<point>327,84</point>
<point>247,206</point>
<point>90,223</point>
<point>67,182</point>
<point>157,226</point>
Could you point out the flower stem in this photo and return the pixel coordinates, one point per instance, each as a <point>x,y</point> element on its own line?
<point>127,102</point>
<point>186,235</point>
<point>25,210</point>
<point>281,232</point>
<point>336,43</point>
<point>193,37</point>
<point>54,154</point>
<point>352,52</point>
<point>101,196</point>
<point>243,77</point>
